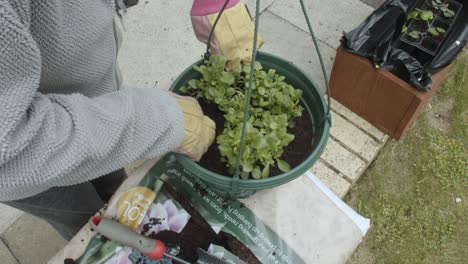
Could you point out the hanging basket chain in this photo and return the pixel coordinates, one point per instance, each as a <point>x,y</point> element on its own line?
<point>249,90</point>
<point>210,36</point>
<point>319,54</point>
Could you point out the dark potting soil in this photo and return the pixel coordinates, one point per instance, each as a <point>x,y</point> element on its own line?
<point>199,234</point>
<point>294,154</point>
<point>430,44</point>
<point>233,245</point>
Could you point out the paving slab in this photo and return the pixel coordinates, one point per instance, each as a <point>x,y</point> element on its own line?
<point>343,160</point>
<point>75,247</point>
<point>5,255</point>
<point>373,3</point>
<point>354,138</point>
<point>284,40</point>
<point>332,179</point>
<point>329,18</point>
<point>157,46</point>
<point>358,121</point>
<point>309,224</point>
<point>8,215</point>
<point>32,241</point>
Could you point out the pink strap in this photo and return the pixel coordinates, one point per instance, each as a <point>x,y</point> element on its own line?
<point>208,7</point>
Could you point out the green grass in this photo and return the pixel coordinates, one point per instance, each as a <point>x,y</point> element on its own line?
<point>409,191</point>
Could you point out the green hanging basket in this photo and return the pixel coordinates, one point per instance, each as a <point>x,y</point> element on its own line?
<point>315,106</point>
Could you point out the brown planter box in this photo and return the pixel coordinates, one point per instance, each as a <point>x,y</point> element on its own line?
<point>381,98</point>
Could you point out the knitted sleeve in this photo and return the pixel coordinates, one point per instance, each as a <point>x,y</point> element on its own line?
<point>57,140</point>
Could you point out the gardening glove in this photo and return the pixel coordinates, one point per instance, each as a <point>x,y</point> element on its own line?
<point>234,33</point>
<point>199,129</point>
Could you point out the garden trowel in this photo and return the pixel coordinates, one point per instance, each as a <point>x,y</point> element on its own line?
<point>153,249</point>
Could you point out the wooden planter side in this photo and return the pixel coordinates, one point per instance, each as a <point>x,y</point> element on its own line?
<point>378,96</point>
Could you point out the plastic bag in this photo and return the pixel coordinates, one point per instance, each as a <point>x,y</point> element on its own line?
<point>378,38</point>
<point>299,222</point>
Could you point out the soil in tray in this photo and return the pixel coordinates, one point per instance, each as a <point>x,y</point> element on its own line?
<point>438,23</point>
<point>418,25</point>
<point>428,7</point>
<point>430,44</point>
<point>455,7</point>
<point>294,154</point>
<point>199,234</point>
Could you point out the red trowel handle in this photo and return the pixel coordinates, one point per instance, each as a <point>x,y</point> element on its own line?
<point>153,249</point>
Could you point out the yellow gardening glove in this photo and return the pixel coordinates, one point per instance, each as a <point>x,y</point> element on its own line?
<point>234,33</point>
<point>200,130</point>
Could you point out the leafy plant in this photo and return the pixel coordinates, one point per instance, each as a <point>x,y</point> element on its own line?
<point>274,106</point>
<point>443,8</point>
<point>413,34</point>
<point>436,31</point>
<point>435,4</point>
<point>447,12</point>
<point>420,15</point>
<point>424,15</point>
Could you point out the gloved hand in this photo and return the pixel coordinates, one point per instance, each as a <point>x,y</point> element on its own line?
<point>200,130</point>
<point>233,35</point>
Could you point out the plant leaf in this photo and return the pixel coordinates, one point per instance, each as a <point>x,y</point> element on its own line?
<point>266,171</point>
<point>441,30</point>
<point>258,66</point>
<point>261,90</point>
<point>256,173</point>
<point>244,175</point>
<point>426,15</point>
<point>414,34</point>
<point>283,165</point>
<point>227,78</point>
<point>247,167</point>
<point>273,125</point>
<point>449,13</point>
<point>433,32</point>
<point>413,14</point>
<point>404,29</point>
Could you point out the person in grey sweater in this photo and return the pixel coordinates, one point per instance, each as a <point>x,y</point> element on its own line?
<point>67,124</point>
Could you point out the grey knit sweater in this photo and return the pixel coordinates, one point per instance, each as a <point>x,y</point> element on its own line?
<point>63,119</point>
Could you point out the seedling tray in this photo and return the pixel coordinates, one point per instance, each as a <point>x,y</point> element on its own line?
<point>426,41</point>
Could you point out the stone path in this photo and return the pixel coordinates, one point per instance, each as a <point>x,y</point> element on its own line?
<point>159,44</point>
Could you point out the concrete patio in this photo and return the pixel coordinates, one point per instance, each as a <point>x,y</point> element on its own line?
<point>159,44</point>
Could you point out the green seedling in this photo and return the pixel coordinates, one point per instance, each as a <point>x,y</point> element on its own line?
<point>418,14</point>
<point>443,8</point>
<point>435,3</point>
<point>447,12</point>
<point>273,108</point>
<point>415,35</point>
<point>436,31</point>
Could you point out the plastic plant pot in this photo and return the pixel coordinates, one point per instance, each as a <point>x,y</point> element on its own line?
<point>430,45</point>
<point>439,23</point>
<point>418,25</point>
<point>426,6</point>
<point>415,26</point>
<point>315,107</point>
<point>424,35</point>
<point>412,40</point>
<point>455,7</point>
